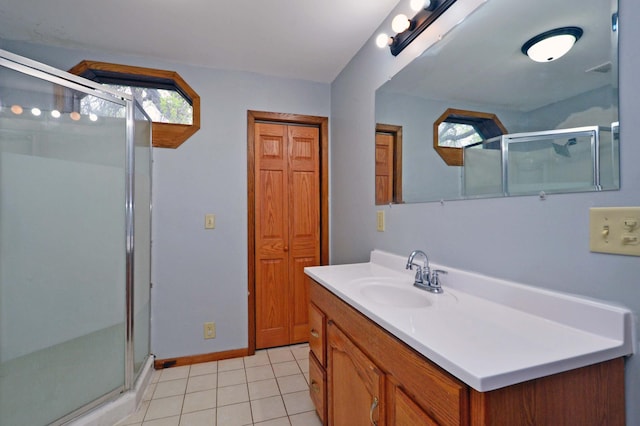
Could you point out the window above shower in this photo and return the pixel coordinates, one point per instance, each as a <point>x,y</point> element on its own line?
<point>172,104</point>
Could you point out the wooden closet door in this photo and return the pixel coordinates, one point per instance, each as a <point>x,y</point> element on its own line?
<point>304,222</point>
<point>272,235</point>
<point>287,229</point>
<point>384,168</point>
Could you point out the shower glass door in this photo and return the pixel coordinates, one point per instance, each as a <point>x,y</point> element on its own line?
<point>62,248</point>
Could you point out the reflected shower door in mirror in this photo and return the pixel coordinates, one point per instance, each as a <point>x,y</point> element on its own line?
<point>480,66</point>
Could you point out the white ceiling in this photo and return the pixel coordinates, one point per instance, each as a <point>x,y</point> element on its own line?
<point>303,39</point>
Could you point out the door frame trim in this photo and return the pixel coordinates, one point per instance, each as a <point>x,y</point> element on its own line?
<point>322,123</point>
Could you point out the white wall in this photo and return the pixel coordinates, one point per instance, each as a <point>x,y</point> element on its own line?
<point>541,243</point>
<point>201,275</point>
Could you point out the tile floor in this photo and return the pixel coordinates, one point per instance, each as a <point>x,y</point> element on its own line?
<point>269,388</point>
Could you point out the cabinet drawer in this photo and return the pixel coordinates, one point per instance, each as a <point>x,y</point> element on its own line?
<point>317,333</point>
<point>317,387</point>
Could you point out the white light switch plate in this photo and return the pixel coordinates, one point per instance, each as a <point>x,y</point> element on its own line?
<point>380,221</point>
<point>209,221</point>
<point>615,230</point>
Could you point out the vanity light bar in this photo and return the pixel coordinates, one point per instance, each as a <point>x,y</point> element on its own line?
<point>418,24</point>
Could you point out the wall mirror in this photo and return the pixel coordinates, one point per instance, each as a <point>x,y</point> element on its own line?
<point>549,109</point>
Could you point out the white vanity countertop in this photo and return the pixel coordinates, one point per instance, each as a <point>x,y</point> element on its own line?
<point>487,332</point>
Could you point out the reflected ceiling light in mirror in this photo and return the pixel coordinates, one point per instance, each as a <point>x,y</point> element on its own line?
<point>36,111</point>
<point>55,113</point>
<point>552,45</point>
<point>75,116</point>
<point>93,117</point>
<point>16,109</point>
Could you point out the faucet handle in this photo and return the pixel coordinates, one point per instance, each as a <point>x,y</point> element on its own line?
<point>435,281</point>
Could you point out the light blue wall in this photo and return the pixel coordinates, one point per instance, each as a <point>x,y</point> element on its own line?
<point>541,243</point>
<point>201,275</point>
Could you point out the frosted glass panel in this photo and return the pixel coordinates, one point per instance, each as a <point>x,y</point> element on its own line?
<point>62,262</point>
<point>482,171</point>
<point>551,162</point>
<point>142,226</point>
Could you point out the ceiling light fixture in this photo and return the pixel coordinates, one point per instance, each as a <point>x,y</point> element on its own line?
<point>407,29</point>
<point>551,45</point>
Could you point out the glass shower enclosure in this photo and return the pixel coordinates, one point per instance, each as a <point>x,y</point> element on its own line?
<point>550,161</point>
<point>75,251</point>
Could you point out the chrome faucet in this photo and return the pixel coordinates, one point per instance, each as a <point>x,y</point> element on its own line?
<point>424,279</point>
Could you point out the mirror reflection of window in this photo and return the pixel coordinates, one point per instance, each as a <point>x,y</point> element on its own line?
<point>457,135</point>
<point>458,128</point>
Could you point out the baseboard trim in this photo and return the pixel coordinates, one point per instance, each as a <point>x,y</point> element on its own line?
<point>159,364</point>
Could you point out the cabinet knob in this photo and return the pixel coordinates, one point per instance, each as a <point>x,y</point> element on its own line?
<point>314,333</point>
<point>315,387</point>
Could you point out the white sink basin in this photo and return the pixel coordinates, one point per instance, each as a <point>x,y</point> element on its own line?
<point>390,292</point>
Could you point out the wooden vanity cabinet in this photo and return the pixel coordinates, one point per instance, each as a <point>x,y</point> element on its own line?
<point>359,372</point>
<point>370,373</point>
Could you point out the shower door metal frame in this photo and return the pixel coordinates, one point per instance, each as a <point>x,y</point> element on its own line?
<point>592,131</point>
<point>53,75</point>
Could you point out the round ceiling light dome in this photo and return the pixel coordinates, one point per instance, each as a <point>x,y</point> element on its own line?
<point>551,45</point>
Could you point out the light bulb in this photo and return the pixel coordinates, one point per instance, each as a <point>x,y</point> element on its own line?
<point>16,109</point>
<point>36,111</point>
<point>400,23</point>
<point>55,113</point>
<point>93,117</point>
<point>382,40</point>
<point>418,5</point>
<point>75,116</point>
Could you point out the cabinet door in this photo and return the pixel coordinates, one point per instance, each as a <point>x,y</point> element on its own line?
<point>403,411</point>
<point>355,385</point>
